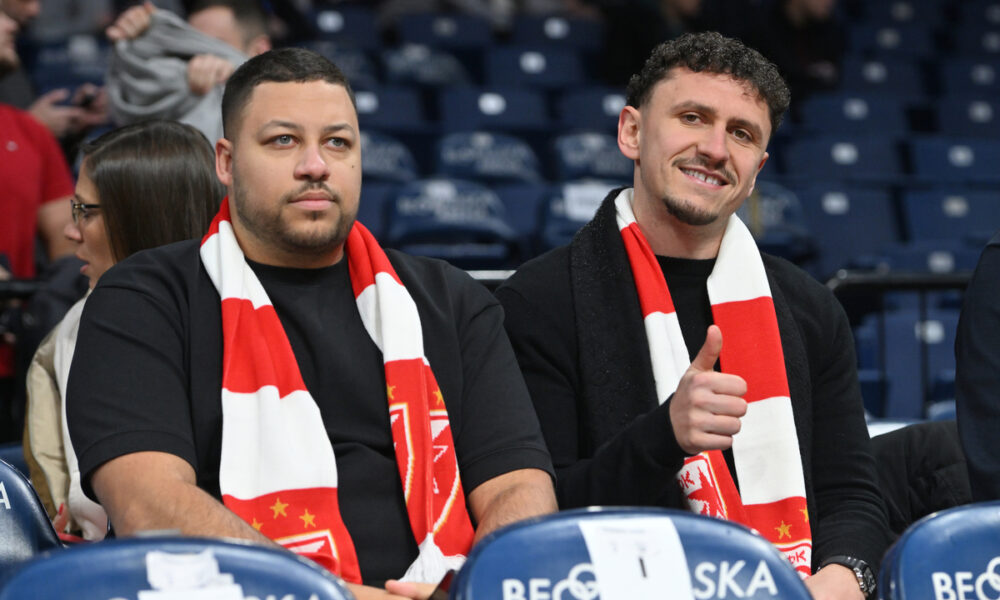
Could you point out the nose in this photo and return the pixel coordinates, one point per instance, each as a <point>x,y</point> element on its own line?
<point>714,145</point>
<point>311,165</point>
<point>72,232</point>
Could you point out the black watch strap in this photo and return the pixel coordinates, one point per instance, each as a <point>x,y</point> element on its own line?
<point>866,578</point>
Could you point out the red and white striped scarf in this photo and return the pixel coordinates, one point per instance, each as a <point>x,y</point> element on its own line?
<point>771,498</point>
<point>278,471</point>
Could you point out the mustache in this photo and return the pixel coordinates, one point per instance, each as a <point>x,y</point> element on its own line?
<point>312,186</point>
<point>723,173</point>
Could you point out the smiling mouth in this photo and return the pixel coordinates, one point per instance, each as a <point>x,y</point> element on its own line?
<point>710,179</point>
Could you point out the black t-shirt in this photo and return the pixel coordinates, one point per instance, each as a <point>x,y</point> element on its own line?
<point>686,279</point>
<point>147,376</point>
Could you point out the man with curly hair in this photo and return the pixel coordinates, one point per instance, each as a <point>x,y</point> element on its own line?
<point>672,364</point>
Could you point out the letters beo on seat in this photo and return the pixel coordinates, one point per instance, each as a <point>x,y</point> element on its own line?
<point>619,553</point>
<point>949,555</point>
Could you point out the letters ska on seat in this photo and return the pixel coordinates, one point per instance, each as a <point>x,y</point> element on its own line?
<point>949,555</point>
<point>618,554</point>
<point>25,530</point>
<point>174,568</point>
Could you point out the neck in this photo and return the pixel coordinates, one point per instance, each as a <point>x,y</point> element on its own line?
<point>267,253</point>
<point>668,236</point>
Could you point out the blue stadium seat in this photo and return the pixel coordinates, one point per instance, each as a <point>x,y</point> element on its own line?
<point>835,212</point>
<point>591,155</point>
<point>191,567</point>
<point>524,203</point>
<point>539,67</point>
<point>902,12</point>
<point>449,31</point>
<point>969,116</point>
<point>25,529</point>
<point>413,64</point>
<point>965,215</point>
<point>504,109</point>
<point>459,221</point>
<point>908,341</point>
<point>973,12</point>
<point>355,63</point>
<point>487,157</point>
<point>590,108</point>
<point>13,454</point>
<point>558,30</point>
<point>854,114</point>
<point>350,25</point>
<point>385,158</point>
<point>938,160</point>
<point>898,76</point>
<point>887,40</point>
<point>372,209</point>
<point>644,551</point>
<point>847,157</point>
<point>393,109</point>
<point>774,216</point>
<point>569,207</point>
<point>932,256</point>
<point>78,60</point>
<point>971,76</point>
<point>980,40</point>
<point>954,553</point>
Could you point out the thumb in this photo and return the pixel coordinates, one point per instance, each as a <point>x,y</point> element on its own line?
<point>710,350</point>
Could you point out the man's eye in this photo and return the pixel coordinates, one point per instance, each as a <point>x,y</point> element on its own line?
<point>338,142</point>
<point>283,140</point>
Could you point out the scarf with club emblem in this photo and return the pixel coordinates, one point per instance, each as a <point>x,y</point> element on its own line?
<point>771,498</point>
<point>278,471</point>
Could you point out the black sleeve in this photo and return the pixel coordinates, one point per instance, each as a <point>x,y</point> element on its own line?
<point>636,466</point>
<point>127,389</point>
<point>850,517</point>
<point>499,430</point>
<point>977,375</point>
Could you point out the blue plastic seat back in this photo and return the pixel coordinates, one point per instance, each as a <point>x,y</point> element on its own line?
<point>856,158</point>
<point>455,220</point>
<point>539,67</point>
<point>957,214</point>
<point>471,108</point>
<point>373,207</point>
<point>558,30</point>
<point>591,155</point>
<point>356,63</point>
<point>487,157</point>
<point>969,116</point>
<point>391,109</point>
<point>25,529</point>
<point>415,64</point>
<point>450,31</point>
<point>939,256</point>
<point>78,60</point>
<point>835,212</point>
<point>886,76</point>
<point>351,25</point>
<point>974,12</point>
<point>887,40</point>
<point>903,12</point>
<point>569,207</point>
<point>971,76</point>
<point>979,40</point>
<point>385,158</point>
<point>121,568</point>
<point>590,108</point>
<point>939,160</point>
<point>953,553</point>
<point>854,114</point>
<point>640,553</point>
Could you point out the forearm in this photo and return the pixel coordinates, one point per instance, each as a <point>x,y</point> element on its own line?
<point>510,498</point>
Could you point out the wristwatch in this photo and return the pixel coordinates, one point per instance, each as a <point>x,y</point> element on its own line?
<point>866,579</point>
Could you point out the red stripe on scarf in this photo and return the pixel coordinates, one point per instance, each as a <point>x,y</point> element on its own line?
<point>366,260</point>
<point>750,332</point>
<point>263,354</point>
<point>652,288</point>
<point>783,522</point>
<point>307,522</point>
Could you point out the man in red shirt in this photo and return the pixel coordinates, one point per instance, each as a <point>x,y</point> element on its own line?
<point>35,184</point>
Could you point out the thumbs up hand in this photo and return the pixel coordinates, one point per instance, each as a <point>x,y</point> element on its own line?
<point>705,410</point>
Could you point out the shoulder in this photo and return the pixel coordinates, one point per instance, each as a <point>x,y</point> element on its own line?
<point>543,276</point>
<point>438,284</point>
<point>157,272</point>
<point>800,287</point>
<point>15,120</point>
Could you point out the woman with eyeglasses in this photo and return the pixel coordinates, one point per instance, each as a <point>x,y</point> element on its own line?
<point>140,186</point>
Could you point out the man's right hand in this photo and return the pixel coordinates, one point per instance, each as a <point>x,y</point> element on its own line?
<point>205,71</point>
<point>705,410</point>
<point>132,23</point>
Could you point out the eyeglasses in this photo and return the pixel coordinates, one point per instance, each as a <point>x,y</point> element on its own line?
<point>81,210</point>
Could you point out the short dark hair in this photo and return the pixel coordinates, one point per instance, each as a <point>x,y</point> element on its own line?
<point>156,182</point>
<point>712,52</point>
<point>249,15</point>
<point>282,66</point>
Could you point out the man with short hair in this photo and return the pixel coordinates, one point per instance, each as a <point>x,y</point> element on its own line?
<point>619,334</point>
<point>165,68</point>
<point>286,378</point>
